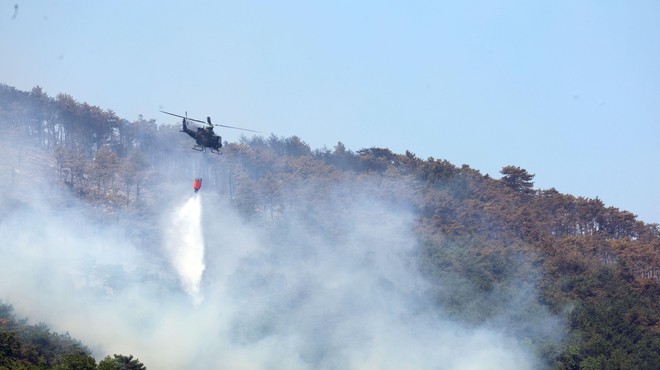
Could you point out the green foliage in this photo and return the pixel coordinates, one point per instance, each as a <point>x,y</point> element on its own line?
<point>517,179</point>
<point>121,362</point>
<point>613,324</point>
<point>76,360</point>
<point>35,347</point>
<point>24,346</point>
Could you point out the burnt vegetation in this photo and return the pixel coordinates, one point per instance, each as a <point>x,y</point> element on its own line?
<point>596,267</point>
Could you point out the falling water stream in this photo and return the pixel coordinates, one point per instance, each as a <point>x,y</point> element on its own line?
<point>185,244</point>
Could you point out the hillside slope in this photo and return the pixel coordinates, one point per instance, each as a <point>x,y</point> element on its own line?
<point>573,281</point>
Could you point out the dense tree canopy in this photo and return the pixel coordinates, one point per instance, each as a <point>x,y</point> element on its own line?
<point>121,362</point>
<point>601,261</point>
<point>24,346</point>
<point>517,179</point>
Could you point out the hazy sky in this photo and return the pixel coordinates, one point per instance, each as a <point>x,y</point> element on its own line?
<point>568,90</point>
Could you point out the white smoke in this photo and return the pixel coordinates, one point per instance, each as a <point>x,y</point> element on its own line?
<point>331,284</point>
<point>185,245</point>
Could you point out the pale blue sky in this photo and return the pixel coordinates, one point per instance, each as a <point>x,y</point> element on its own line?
<point>569,90</point>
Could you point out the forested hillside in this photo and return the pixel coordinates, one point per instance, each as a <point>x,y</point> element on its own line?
<point>595,268</point>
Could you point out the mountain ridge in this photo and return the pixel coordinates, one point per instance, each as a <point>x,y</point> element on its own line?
<point>488,234</point>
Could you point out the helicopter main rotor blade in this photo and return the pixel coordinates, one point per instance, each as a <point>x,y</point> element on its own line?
<point>184,117</point>
<point>236,128</point>
<point>208,123</point>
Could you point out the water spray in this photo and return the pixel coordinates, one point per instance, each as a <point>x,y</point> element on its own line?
<point>185,245</point>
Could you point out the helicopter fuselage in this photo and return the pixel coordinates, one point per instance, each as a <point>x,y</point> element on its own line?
<point>204,138</point>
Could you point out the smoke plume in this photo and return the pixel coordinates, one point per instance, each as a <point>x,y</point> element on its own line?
<point>329,283</point>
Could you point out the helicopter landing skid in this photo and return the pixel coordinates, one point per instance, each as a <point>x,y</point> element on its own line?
<point>203,149</point>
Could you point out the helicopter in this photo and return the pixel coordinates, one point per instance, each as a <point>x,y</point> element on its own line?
<point>205,137</point>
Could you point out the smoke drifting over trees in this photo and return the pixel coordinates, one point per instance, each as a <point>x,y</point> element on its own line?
<point>311,259</point>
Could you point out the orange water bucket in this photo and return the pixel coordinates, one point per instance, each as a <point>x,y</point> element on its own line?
<point>197,184</point>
